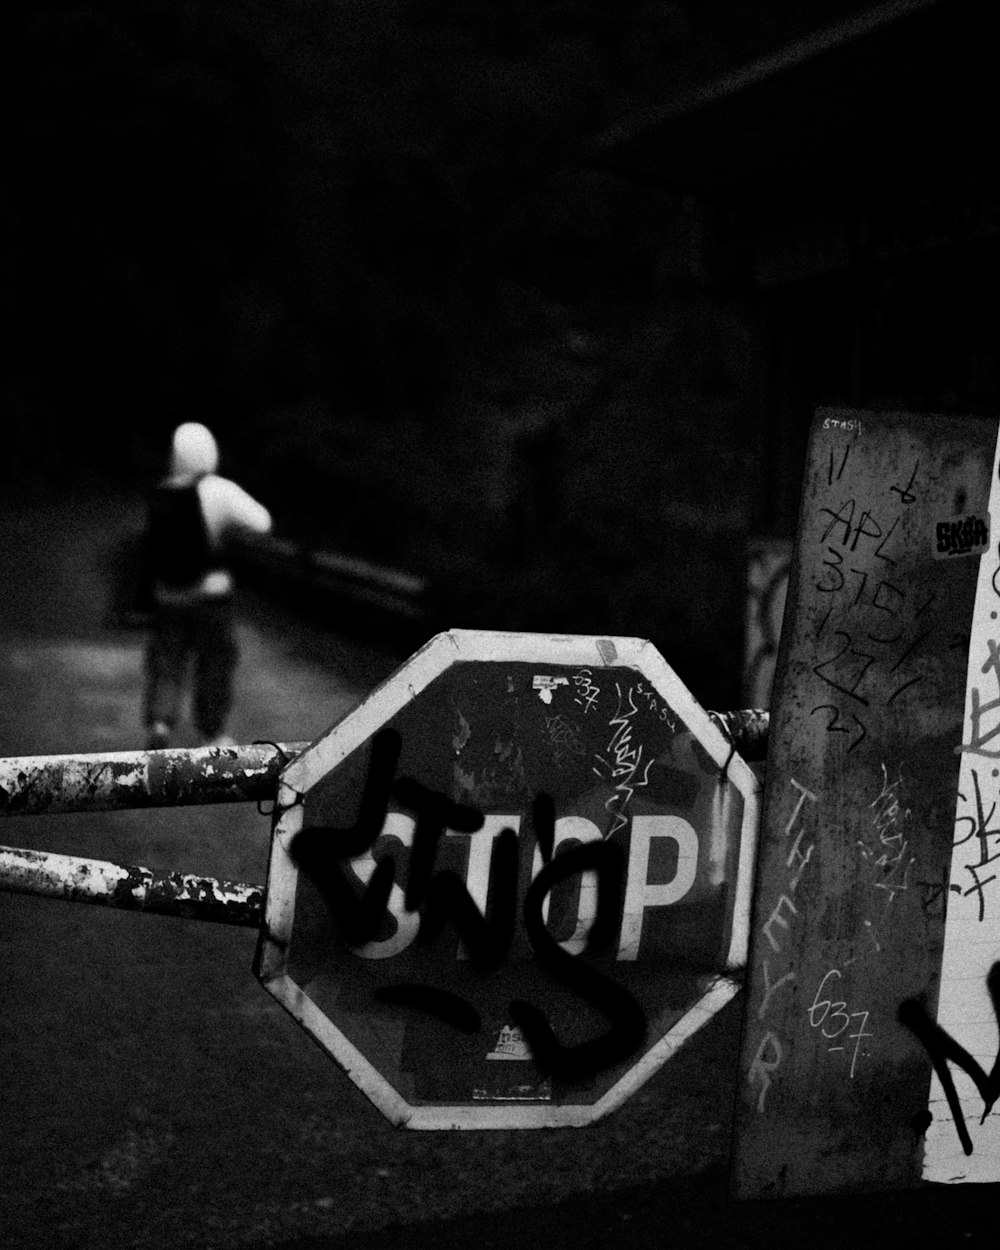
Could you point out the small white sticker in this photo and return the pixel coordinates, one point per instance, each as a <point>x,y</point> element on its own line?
<point>510,1045</point>
<point>545,685</point>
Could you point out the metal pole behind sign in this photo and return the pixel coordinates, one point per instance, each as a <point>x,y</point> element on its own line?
<point>43,784</point>
<point>47,784</point>
<point>130,887</point>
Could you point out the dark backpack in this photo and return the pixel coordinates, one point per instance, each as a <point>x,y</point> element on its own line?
<point>177,547</point>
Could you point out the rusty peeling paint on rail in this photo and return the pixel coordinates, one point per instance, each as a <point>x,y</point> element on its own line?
<point>137,779</point>
<point>130,887</point>
<point>33,785</point>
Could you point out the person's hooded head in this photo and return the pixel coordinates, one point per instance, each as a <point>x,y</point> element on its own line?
<point>194,451</point>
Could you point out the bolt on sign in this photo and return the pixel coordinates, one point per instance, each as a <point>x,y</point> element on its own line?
<point>870,1028</point>
<point>507,887</point>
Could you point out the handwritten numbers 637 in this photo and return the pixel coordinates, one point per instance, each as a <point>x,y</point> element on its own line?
<point>836,1023</point>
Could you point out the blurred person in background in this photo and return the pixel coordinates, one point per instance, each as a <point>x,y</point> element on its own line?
<point>192,513</point>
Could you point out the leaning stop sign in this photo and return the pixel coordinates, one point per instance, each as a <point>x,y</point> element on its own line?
<point>511,883</point>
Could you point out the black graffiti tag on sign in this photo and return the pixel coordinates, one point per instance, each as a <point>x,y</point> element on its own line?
<point>442,897</point>
<point>962,536</point>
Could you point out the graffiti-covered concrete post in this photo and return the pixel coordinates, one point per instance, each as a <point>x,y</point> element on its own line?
<point>508,886</point>
<point>873,989</point>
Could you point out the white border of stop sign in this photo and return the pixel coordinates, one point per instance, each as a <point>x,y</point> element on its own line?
<point>327,752</point>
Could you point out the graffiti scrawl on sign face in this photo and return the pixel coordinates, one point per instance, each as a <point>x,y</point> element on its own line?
<point>504,892</point>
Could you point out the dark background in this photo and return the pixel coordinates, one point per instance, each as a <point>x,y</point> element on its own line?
<point>534,300</point>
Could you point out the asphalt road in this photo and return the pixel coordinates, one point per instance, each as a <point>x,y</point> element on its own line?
<point>153,1095</point>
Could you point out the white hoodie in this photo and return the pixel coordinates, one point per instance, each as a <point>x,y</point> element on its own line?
<point>194,457</point>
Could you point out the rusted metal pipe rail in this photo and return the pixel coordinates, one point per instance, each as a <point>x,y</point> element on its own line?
<point>33,785</point>
<point>43,784</point>
<point>39,784</point>
<point>130,887</point>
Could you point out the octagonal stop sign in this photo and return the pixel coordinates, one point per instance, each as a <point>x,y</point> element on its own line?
<point>506,887</point>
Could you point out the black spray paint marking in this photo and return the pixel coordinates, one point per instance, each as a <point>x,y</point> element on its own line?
<point>961,537</point>
<point>323,853</point>
<point>943,1048</point>
<point>451,1008</point>
<point>357,917</point>
<point>627,1030</point>
<point>921,1122</point>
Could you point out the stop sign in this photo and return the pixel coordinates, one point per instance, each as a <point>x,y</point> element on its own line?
<point>510,884</point>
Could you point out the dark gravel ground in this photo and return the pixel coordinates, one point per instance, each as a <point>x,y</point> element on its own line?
<point>152,1095</point>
